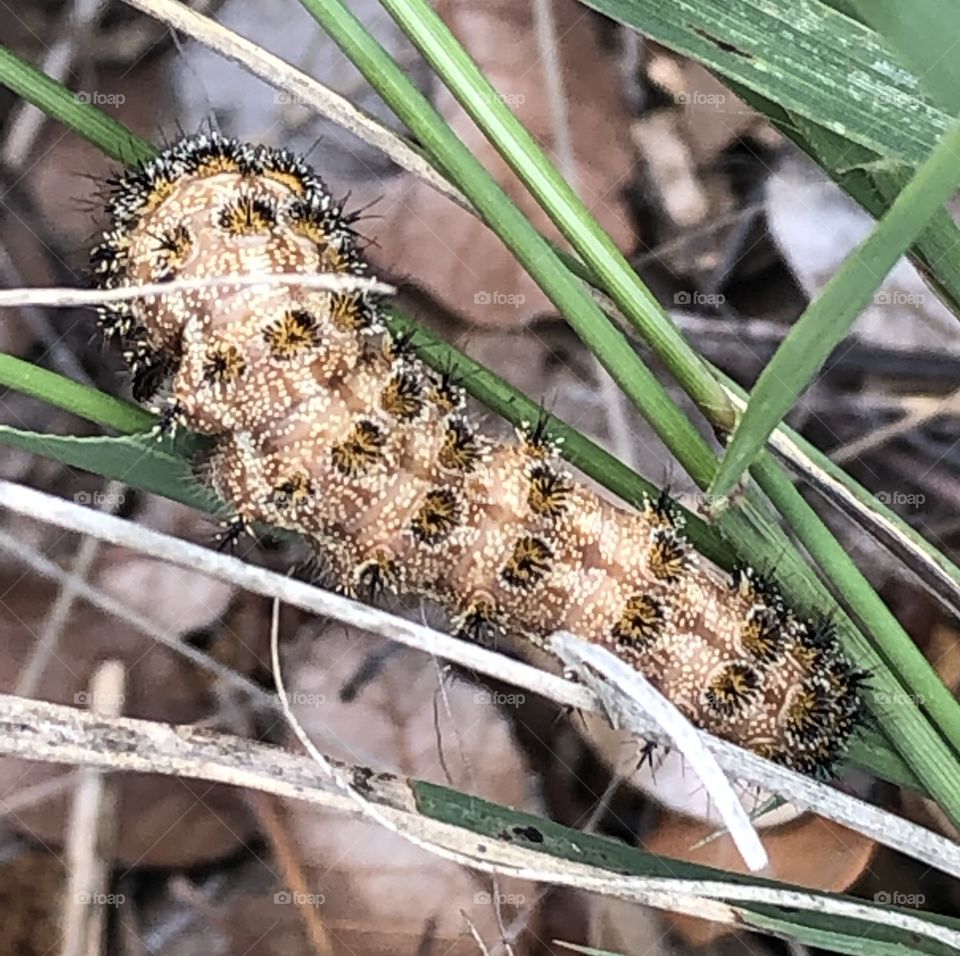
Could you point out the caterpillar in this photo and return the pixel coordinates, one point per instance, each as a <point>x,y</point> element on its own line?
<point>323,423</point>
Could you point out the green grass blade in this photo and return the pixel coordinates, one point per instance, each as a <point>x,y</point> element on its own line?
<point>48,95</point>
<point>566,292</point>
<point>809,58</point>
<point>82,400</point>
<point>141,461</point>
<point>925,34</point>
<point>568,212</point>
<point>827,320</point>
<point>942,575</point>
<point>874,184</point>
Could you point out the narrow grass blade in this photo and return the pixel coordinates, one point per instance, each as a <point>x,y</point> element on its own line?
<point>827,320</point>
<point>859,936</point>
<point>48,95</point>
<point>489,110</point>
<point>566,292</point>
<point>82,400</point>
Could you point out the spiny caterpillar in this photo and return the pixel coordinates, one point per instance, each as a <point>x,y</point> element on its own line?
<point>323,424</point>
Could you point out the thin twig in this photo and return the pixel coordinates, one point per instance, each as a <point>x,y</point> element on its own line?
<point>18,801</point>
<point>61,356</point>
<point>284,852</point>
<point>65,296</point>
<point>91,830</point>
<point>887,829</point>
<point>917,411</point>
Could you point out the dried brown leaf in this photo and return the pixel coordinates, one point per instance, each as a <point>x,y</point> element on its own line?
<point>31,884</point>
<point>379,892</point>
<point>809,851</point>
<point>161,821</point>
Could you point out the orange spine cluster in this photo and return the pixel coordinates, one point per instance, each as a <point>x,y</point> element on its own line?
<point>323,425</point>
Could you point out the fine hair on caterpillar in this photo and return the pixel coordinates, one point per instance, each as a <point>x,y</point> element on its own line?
<point>322,424</point>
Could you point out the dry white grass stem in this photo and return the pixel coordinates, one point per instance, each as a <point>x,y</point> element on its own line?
<point>37,730</point>
<point>302,88</point>
<point>65,296</point>
<point>885,828</point>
